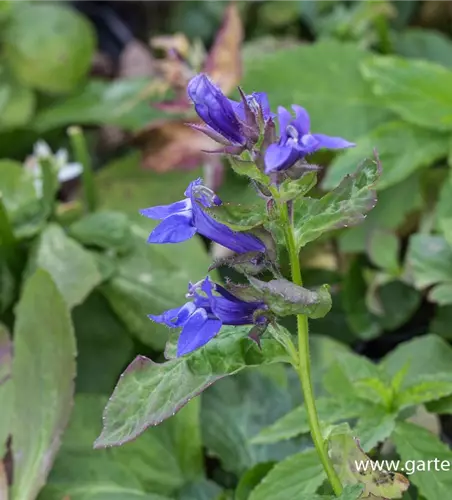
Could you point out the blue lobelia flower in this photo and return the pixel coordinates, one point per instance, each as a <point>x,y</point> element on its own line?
<point>228,122</point>
<point>296,140</point>
<point>202,318</point>
<point>185,218</point>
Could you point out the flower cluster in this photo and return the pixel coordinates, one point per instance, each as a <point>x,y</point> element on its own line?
<point>240,127</point>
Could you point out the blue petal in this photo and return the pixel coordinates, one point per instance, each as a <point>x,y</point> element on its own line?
<point>189,190</point>
<point>175,318</point>
<point>164,211</point>
<point>328,142</point>
<point>302,121</point>
<point>280,157</point>
<point>174,229</point>
<point>284,118</point>
<point>262,99</point>
<point>197,331</point>
<point>234,312</point>
<point>308,144</point>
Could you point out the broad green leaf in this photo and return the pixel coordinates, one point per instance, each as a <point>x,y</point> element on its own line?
<point>421,450</point>
<point>106,230</point>
<point>319,76</point>
<point>441,323</point>
<point>204,489</point>
<point>384,249</point>
<point>426,356</point>
<point>72,268</point>
<point>418,91</point>
<point>126,103</point>
<point>428,260</point>
<point>285,298</point>
<point>441,406</point>
<point>361,320</point>
<point>6,389</point>
<point>7,286</point>
<point>344,206</point>
<point>402,148</point>
<point>18,103</point>
<point>251,478</point>
<point>297,476</point>
<point>420,43</point>
<point>100,491</point>
<point>152,279</point>
<point>48,47</point>
<point>374,428</point>
<point>235,409</point>
<point>148,393</point>
<point>291,189</point>
<point>239,217</point>
<point>428,388</point>
<point>354,466</point>
<point>441,294</point>
<point>43,380</point>
<point>103,344</point>
<point>296,421</point>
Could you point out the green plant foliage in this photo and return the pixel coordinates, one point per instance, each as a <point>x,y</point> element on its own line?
<point>6,388</point>
<point>424,44</point>
<point>48,47</point>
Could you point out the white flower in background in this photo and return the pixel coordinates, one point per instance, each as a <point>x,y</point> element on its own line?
<point>65,171</point>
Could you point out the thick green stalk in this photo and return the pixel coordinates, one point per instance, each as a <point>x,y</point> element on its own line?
<point>304,361</point>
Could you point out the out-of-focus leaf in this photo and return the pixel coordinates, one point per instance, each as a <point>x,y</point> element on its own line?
<point>107,230</point>
<point>152,279</point>
<point>297,476</point>
<point>73,269</point>
<point>345,453</point>
<point>402,148</point>
<point>251,478</point>
<point>48,46</point>
<point>237,408</point>
<point>428,388</point>
<point>429,260</point>
<point>148,393</point>
<point>103,344</point>
<point>383,250</point>
<point>17,102</point>
<point>126,103</point>
<point>6,389</point>
<point>7,286</point>
<point>374,428</point>
<point>344,206</point>
<point>416,90</point>
<point>43,382</point>
<point>415,444</point>
<point>201,490</point>
<point>420,43</point>
<point>427,356</point>
<point>319,76</point>
<point>441,324</point>
<point>441,294</point>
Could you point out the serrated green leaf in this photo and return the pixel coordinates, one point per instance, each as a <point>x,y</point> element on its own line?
<point>428,260</point>
<point>416,90</point>
<point>235,409</point>
<point>249,169</point>
<point>6,388</point>
<point>374,428</point>
<point>48,47</point>
<point>106,230</point>
<point>402,148</point>
<point>148,393</point>
<point>417,447</point>
<point>43,379</point>
<point>251,478</point>
<point>428,388</point>
<point>72,268</point>
<point>291,189</point>
<point>312,76</point>
<point>296,422</point>
<point>285,298</point>
<point>295,477</point>
<point>344,206</point>
<point>205,489</point>
<point>441,294</point>
<point>354,466</point>
<point>239,217</point>
<point>383,250</point>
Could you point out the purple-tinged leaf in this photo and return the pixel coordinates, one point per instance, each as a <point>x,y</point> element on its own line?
<point>148,392</point>
<point>43,380</point>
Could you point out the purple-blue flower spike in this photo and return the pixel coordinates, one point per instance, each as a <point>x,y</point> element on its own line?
<point>201,319</point>
<point>296,141</point>
<point>185,218</point>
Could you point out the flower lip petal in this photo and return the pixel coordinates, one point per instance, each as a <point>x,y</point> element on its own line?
<point>197,331</point>
<point>302,121</point>
<point>164,211</point>
<point>280,157</point>
<point>325,141</point>
<point>174,229</point>
<point>284,118</point>
<point>174,318</point>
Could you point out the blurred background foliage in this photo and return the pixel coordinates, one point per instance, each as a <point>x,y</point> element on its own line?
<point>375,72</point>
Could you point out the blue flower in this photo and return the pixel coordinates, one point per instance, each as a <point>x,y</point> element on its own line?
<point>185,218</point>
<point>296,140</point>
<point>228,122</point>
<point>201,319</point>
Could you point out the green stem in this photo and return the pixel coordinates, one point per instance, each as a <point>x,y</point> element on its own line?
<point>304,362</point>
<point>49,186</point>
<point>82,156</point>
